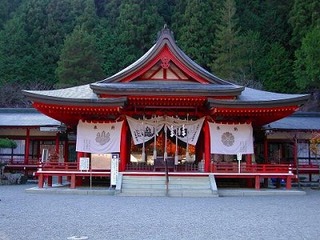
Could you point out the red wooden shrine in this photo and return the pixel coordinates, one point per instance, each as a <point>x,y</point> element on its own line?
<point>166,82</point>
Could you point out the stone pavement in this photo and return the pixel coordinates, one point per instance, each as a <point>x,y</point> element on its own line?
<point>25,215</point>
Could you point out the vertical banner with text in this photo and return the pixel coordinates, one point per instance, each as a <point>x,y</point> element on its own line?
<point>114,169</point>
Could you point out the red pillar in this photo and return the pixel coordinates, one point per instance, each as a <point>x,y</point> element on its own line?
<point>207,147</point>
<point>295,152</point>
<point>26,150</point>
<point>49,181</point>
<point>249,159</point>
<point>199,147</point>
<point>288,183</point>
<point>57,143</point>
<point>40,181</point>
<point>73,181</point>
<point>266,159</point>
<point>249,163</point>
<point>257,182</point>
<point>79,155</point>
<point>123,147</point>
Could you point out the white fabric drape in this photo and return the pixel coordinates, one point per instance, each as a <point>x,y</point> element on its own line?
<point>143,130</point>
<point>98,137</point>
<point>187,131</point>
<point>231,138</point>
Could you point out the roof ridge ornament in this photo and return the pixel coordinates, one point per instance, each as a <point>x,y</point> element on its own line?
<point>165,31</point>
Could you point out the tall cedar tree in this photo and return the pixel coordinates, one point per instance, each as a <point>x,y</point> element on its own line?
<point>307,64</point>
<point>196,33</point>
<point>249,51</point>
<point>15,58</point>
<point>79,60</point>
<point>304,16</point>
<point>137,23</point>
<point>277,75</point>
<point>47,23</point>
<point>226,42</point>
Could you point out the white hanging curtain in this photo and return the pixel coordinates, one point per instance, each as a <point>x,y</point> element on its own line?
<point>187,131</point>
<point>231,138</point>
<point>98,137</point>
<point>144,130</point>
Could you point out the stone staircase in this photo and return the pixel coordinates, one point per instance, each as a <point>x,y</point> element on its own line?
<point>179,186</point>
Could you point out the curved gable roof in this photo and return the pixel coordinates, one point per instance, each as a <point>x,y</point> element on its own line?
<point>165,49</point>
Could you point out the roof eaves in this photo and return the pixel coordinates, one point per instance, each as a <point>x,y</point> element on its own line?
<point>300,100</point>
<point>120,101</point>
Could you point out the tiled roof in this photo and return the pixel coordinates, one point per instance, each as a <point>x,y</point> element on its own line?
<point>297,121</point>
<point>258,97</point>
<point>10,117</point>
<point>76,95</point>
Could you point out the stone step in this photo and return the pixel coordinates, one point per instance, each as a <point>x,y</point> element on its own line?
<point>143,192</point>
<point>178,186</point>
<point>143,186</point>
<point>192,193</point>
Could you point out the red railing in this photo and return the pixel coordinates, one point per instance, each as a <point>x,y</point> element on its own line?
<point>56,166</point>
<point>250,168</point>
<point>307,169</point>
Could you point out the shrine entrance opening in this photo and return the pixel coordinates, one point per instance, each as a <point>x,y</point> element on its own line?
<point>152,144</point>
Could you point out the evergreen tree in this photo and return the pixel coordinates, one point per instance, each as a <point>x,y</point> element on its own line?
<point>249,51</point>
<point>226,42</point>
<point>307,63</point>
<point>304,16</point>
<point>111,13</point>
<point>15,58</point>
<point>269,18</point>
<point>7,7</point>
<point>109,49</point>
<point>85,14</point>
<point>135,29</point>
<point>79,60</point>
<point>197,32</point>
<point>47,23</point>
<point>277,70</point>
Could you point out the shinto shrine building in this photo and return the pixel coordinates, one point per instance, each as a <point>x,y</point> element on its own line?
<point>165,113</point>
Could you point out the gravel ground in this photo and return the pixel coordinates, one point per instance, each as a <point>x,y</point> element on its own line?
<point>66,216</point>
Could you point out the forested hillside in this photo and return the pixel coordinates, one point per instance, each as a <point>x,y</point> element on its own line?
<point>266,44</point>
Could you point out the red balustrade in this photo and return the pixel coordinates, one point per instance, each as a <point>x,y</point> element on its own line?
<point>56,166</point>
<point>250,168</point>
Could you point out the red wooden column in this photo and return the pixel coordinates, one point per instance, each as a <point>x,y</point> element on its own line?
<point>207,147</point>
<point>288,183</point>
<point>257,182</point>
<point>26,150</point>
<point>73,176</point>
<point>66,150</point>
<point>199,147</point>
<point>265,154</point>
<point>249,159</point>
<point>58,152</point>
<point>249,163</point>
<point>123,147</point>
<point>79,155</point>
<point>40,181</point>
<point>57,143</point>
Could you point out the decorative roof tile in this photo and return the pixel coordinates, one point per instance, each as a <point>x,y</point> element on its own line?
<point>27,117</point>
